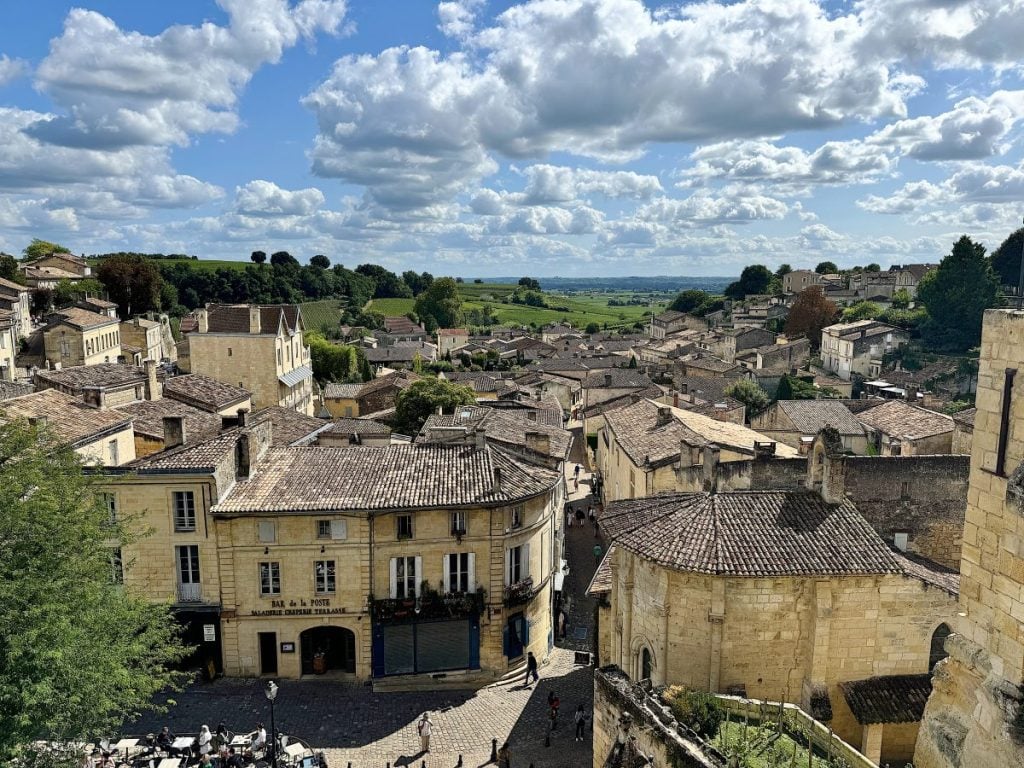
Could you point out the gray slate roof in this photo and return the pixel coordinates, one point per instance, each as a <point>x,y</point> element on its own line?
<point>149,416</point>
<point>904,421</point>
<point>749,533</point>
<point>102,375</point>
<point>504,426</point>
<point>394,477</point>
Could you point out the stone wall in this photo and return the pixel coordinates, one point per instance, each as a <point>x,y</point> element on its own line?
<point>924,496</point>
<point>974,716</point>
<point>623,712</point>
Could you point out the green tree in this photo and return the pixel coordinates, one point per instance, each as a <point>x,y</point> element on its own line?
<point>365,373</point>
<point>810,312</point>
<point>422,398</point>
<point>956,295</point>
<point>873,267</point>
<point>592,328</point>
<point>9,268</point>
<point>333,362</point>
<point>794,388</point>
<point>751,395</point>
<point>862,310</point>
<point>754,279</point>
<point>783,270</point>
<point>258,257</point>
<point>39,248</point>
<point>440,305</point>
<point>67,293</point>
<point>826,268</point>
<point>40,301</point>
<point>283,259</point>
<point>1007,257</point>
<point>530,283</point>
<point>320,262</point>
<point>133,282</point>
<point>689,300</point>
<point>79,652</point>
<point>901,299</point>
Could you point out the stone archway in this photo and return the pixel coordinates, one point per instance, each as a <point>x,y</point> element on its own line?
<point>328,649</point>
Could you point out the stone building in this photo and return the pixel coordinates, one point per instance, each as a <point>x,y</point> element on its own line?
<point>896,428</point>
<point>646,448</point>
<point>798,279</point>
<point>369,562</point>
<point>858,347</point>
<point>143,338</point>
<point>796,422</point>
<point>17,299</point>
<point>76,336</point>
<point>257,347</point>
<point>974,713</point>
<point>781,595</point>
<point>379,394</point>
<point>106,385</point>
<point>963,431</point>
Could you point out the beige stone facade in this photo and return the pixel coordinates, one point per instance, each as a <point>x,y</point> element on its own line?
<point>80,337</point>
<point>146,336</point>
<point>259,348</point>
<point>281,583</point>
<point>973,715</point>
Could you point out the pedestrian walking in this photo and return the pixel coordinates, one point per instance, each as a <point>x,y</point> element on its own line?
<point>505,756</point>
<point>576,472</point>
<point>531,668</point>
<point>591,514</point>
<point>581,722</point>
<point>568,519</point>
<point>575,484</point>
<point>597,553</point>
<point>553,703</point>
<point>579,515</point>
<point>423,728</point>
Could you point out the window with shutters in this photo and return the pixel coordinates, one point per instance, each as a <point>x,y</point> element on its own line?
<point>404,526</point>
<point>267,530</point>
<point>188,564</point>
<point>325,577</point>
<point>109,502</point>
<point>518,513</point>
<point>332,529</point>
<point>184,511</point>
<point>405,577</point>
<point>270,578</point>
<point>458,572</point>
<point>516,571</point>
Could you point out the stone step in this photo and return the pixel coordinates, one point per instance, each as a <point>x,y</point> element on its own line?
<point>439,681</point>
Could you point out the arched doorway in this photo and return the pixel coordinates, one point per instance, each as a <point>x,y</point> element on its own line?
<point>938,649</point>
<point>646,664</point>
<point>336,646</point>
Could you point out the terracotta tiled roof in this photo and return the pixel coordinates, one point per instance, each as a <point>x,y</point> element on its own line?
<point>149,418</point>
<point>504,426</point>
<point>290,426</point>
<point>929,572</point>
<point>71,420</point>
<point>203,392</point>
<point>601,584</point>
<point>401,325</point>
<point>705,387</point>
<point>392,477</point>
<point>904,421</point>
<point>204,456</point>
<point>334,391</point>
<point>637,429</point>
<point>83,318</point>
<point>102,375</point>
<point>708,363</point>
<point>617,378</point>
<point>889,699</point>
<point>100,303</point>
<point>811,416</point>
<point>9,286</point>
<point>400,379</point>
<point>966,417</point>
<point>358,427</point>
<point>234,318</point>
<point>622,401</point>
<point>749,533</point>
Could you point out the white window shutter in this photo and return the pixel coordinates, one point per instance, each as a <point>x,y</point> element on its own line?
<point>446,570</point>
<point>419,574</point>
<point>508,567</point>
<point>394,578</point>
<point>339,529</point>
<point>524,568</point>
<point>472,572</point>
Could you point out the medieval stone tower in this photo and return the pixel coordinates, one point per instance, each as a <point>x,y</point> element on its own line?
<point>974,717</point>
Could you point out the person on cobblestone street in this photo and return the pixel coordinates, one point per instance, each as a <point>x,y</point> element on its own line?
<point>597,553</point>
<point>581,722</point>
<point>576,472</point>
<point>423,728</point>
<point>554,703</point>
<point>259,741</point>
<point>531,668</point>
<point>505,756</point>
<point>205,740</point>
<point>568,518</point>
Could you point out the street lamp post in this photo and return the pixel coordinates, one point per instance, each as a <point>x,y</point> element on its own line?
<point>271,695</point>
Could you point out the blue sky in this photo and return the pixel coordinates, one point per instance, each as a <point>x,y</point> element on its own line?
<point>484,138</point>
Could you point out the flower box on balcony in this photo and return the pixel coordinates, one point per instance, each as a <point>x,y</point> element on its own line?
<point>520,592</point>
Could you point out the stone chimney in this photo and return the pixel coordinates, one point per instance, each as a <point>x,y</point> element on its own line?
<point>664,415</point>
<point>911,393</point>
<point>764,450</point>
<point>39,422</point>
<point>711,456</point>
<point>496,485</point>
<point>95,397</point>
<point>243,415</point>
<point>480,440</point>
<point>153,391</point>
<point>202,321</point>
<point>607,379</point>
<point>538,442</point>
<point>174,431</point>
<point>252,445</point>
<point>684,388</point>
<point>254,318</point>
<point>675,399</point>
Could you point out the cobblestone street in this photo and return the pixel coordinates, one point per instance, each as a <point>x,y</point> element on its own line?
<point>354,725</point>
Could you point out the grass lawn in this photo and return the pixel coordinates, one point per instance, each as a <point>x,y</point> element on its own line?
<point>764,748</point>
<point>203,264</point>
<point>579,309</point>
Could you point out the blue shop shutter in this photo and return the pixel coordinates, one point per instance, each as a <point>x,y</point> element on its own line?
<point>504,640</point>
